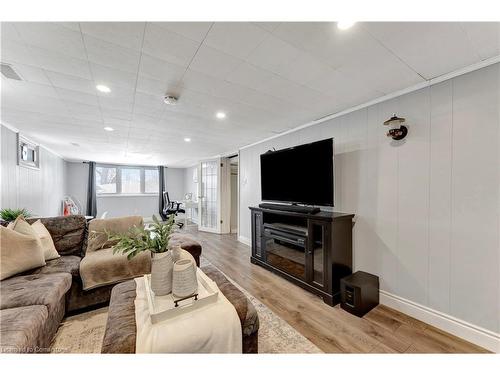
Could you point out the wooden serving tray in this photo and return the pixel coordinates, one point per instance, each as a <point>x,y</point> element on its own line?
<point>168,307</point>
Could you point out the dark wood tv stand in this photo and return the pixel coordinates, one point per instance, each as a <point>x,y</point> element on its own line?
<point>313,251</point>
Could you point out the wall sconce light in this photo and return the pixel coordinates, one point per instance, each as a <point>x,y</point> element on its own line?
<point>396,133</point>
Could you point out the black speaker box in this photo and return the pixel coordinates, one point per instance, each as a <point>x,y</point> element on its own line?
<point>359,293</point>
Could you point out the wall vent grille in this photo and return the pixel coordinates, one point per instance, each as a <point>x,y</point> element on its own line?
<point>9,72</point>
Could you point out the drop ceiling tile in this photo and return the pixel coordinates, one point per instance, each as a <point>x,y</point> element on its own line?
<point>31,74</point>
<point>304,68</point>
<point>57,62</point>
<point>192,30</point>
<point>14,52</point>
<point>108,114</point>
<point>213,62</point>
<point>113,78</point>
<point>429,48</point>
<point>83,111</point>
<point>111,55</point>
<point>250,76</point>
<point>70,82</point>
<point>8,32</point>
<point>160,70</point>
<point>116,104</point>
<point>167,45</point>
<point>75,26</point>
<point>152,86</point>
<point>23,88</point>
<point>52,37</point>
<point>124,34</point>
<point>343,90</point>
<point>384,73</point>
<point>485,37</point>
<point>325,41</point>
<point>235,38</point>
<point>268,26</point>
<point>273,54</point>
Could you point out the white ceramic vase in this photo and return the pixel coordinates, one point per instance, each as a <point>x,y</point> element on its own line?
<point>161,273</point>
<point>185,282</point>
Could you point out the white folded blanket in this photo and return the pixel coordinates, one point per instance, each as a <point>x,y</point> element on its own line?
<point>214,328</point>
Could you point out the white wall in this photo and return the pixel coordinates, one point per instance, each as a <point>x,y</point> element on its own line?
<point>175,183</point>
<point>427,210</point>
<point>39,190</point>
<point>77,174</point>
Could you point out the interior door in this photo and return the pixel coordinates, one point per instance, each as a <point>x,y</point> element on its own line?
<point>209,195</point>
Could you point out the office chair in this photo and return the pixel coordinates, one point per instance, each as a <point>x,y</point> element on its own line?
<point>171,208</point>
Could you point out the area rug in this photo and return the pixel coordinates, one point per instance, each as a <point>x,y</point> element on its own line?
<point>83,333</point>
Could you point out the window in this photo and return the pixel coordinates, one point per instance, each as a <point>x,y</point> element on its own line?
<point>131,180</point>
<point>105,180</point>
<point>126,180</point>
<point>151,184</point>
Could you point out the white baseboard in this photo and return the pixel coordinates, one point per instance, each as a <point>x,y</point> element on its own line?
<point>467,331</point>
<point>245,240</point>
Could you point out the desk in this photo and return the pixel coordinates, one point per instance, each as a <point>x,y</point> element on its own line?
<point>189,205</point>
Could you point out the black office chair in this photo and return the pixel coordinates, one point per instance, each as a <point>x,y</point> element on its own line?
<point>171,208</point>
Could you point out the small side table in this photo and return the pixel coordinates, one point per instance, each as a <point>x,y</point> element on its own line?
<point>359,293</point>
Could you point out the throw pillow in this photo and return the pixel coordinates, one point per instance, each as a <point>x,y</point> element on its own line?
<point>19,252</point>
<point>49,249</point>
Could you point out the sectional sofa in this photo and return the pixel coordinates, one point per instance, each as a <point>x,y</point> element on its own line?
<point>33,304</point>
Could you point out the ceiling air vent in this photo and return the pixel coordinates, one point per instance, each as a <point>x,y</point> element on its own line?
<point>9,72</point>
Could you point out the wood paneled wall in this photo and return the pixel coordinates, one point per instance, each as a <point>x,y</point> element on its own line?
<point>427,209</point>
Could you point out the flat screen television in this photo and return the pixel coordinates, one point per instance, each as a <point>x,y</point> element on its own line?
<point>301,174</point>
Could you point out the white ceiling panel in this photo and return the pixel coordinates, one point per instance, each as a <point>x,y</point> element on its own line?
<point>192,30</point>
<point>169,46</point>
<point>235,38</point>
<point>429,48</point>
<point>484,36</point>
<point>69,82</point>
<point>58,62</point>
<point>214,63</point>
<point>273,54</point>
<point>52,37</point>
<point>115,79</point>
<point>124,34</point>
<point>266,77</point>
<point>112,55</point>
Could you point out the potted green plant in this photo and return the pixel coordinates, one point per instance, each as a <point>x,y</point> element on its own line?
<point>11,214</point>
<point>154,239</point>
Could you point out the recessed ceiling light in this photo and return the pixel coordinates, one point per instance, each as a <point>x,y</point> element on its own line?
<point>344,25</point>
<point>108,128</point>
<point>103,88</point>
<point>187,139</point>
<point>220,115</point>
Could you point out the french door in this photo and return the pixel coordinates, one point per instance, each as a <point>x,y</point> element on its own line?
<point>208,195</point>
<point>213,195</point>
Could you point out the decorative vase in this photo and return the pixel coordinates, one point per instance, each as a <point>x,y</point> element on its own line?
<point>176,251</point>
<point>161,273</point>
<point>185,282</point>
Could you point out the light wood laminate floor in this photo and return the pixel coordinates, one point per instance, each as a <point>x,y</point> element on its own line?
<point>333,330</point>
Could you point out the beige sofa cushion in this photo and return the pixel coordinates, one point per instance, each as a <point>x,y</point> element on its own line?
<point>102,267</point>
<point>49,249</point>
<point>18,251</point>
<point>98,239</point>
